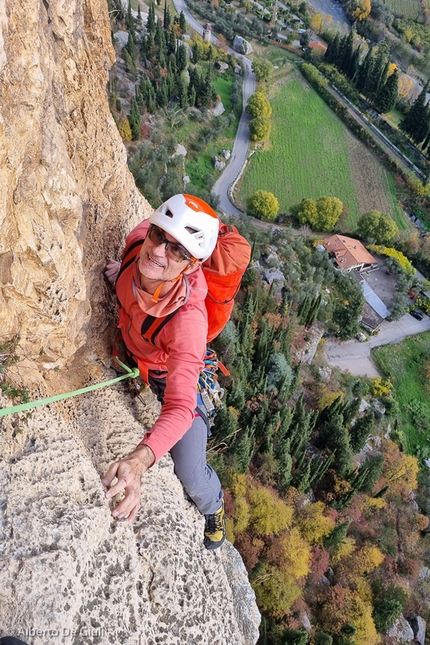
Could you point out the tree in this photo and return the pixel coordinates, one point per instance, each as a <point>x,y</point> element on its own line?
<point>362,10</point>
<point>377,227</point>
<point>276,591</point>
<point>124,129</point>
<point>277,371</point>
<point>263,205</point>
<point>259,106</point>
<point>296,637</point>
<point>385,612</point>
<point>386,98</point>
<point>322,214</point>
<point>329,211</point>
<point>259,128</point>
<point>262,68</point>
<point>416,123</point>
<point>135,120</point>
<point>360,431</point>
<point>182,22</point>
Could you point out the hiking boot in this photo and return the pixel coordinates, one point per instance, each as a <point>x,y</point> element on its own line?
<point>215,528</point>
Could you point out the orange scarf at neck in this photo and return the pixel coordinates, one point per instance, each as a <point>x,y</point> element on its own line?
<point>158,306</point>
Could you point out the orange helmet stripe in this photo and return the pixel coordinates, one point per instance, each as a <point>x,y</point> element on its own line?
<point>198,205</point>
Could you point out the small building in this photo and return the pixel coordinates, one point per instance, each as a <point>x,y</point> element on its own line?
<point>207,33</point>
<point>349,254</point>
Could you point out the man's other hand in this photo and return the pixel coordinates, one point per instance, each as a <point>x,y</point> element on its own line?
<point>111,270</point>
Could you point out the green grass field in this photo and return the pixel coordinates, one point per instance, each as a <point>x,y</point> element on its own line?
<point>406,8</point>
<point>404,365</point>
<point>309,155</point>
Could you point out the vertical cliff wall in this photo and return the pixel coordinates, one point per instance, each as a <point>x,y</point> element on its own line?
<point>69,573</point>
<point>67,197</point>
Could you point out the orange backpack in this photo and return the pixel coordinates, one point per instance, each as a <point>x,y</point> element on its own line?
<point>223,272</point>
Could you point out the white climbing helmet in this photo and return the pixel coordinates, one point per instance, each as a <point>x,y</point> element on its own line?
<point>191,221</point>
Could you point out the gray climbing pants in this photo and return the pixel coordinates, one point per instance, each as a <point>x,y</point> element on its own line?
<point>199,480</point>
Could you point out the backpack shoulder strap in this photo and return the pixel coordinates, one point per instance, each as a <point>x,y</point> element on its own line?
<point>129,255</point>
<point>152,326</point>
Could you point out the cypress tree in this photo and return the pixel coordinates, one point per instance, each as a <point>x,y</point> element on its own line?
<point>415,124</point>
<point>150,23</point>
<point>365,71</point>
<point>360,430</point>
<point>167,20</point>
<point>348,55</point>
<point>373,470</point>
<point>285,465</point>
<point>171,43</point>
<point>244,449</point>
<point>350,409</point>
<point>332,53</point>
<point>135,120</point>
<point>337,536</point>
<point>182,23</point>
<point>301,480</point>
<point>181,57</point>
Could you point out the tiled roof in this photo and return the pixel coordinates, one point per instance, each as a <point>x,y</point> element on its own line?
<point>347,251</point>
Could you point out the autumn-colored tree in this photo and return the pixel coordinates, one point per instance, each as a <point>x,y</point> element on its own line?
<point>262,68</point>
<point>259,128</point>
<point>259,106</point>
<point>292,554</point>
<point>276,591</point>
<point>319,565</point>
<point>269,514</point>
<point>402,473</point>
<point>263,205</point>
<point>125,129</point>
<point>320,215</point>
<point>314,524</point>
<point>362,10</point>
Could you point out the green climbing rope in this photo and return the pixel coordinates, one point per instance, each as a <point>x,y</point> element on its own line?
<point>131,373</point>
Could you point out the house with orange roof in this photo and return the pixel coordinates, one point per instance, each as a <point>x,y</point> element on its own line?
<point>348,254</point>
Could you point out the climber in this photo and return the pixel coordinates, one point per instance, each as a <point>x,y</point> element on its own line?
<point>161,275</point>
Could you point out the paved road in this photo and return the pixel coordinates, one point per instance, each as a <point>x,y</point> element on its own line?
<point>356,357</point>
<point>241,142</point>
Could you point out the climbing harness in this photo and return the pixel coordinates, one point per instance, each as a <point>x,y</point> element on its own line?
<point>130,373</point>
<point>209,388</point>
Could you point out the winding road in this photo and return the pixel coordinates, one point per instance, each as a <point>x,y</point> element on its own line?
<point>241,142</point>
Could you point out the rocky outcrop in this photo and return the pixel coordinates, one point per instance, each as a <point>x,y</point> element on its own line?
<point>67,197</point>
<point>67,568</point>
<point>401,632</point>
<point>69,573</point>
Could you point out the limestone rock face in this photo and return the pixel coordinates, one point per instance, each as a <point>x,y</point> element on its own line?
<point>70,574</point>
<point>67,197</point>
<point>67,568</point>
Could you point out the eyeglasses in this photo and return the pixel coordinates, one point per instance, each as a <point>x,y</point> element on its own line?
<point>173,250</point>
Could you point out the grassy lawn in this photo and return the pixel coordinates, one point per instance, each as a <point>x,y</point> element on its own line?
<point>404,365</point>
<point>406,8</point>
<point>306,156</point>
<point>311,153</point>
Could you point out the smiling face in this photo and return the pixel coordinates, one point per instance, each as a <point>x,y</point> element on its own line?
<point>156,266</point>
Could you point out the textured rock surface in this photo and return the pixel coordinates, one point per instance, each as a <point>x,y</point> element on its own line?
<point>67,567</point>
<point>69,573</point>
<point>401,632</point>
<point>67,197</point>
